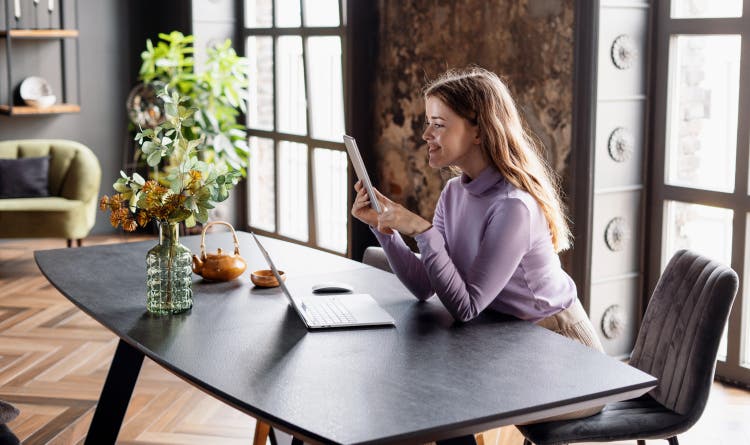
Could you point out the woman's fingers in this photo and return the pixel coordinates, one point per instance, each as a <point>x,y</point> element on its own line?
<point>381,196</point>
<point>361,204</point>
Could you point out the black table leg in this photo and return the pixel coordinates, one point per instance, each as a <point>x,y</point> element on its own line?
<point>461,440</point>
<point>110,411</point>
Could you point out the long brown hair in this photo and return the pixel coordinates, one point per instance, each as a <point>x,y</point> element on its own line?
<point>483,99</point>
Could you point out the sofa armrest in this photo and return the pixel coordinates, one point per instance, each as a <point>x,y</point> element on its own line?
<point>83,178</point>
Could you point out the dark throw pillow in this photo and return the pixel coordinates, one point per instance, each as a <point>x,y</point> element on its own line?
<point>24,177</point>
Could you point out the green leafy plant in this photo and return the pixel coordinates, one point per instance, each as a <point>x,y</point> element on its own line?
<point>190,187</point>
<point>218,93</point>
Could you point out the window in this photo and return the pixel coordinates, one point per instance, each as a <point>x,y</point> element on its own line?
<point>297,178</point>
<point>701,187</point>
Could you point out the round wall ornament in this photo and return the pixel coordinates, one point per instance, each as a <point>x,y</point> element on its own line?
<point>144,106</point>
<point>624,51</point>
<point>613,322</point>
<point>620,144</point>
<point>616,234</point>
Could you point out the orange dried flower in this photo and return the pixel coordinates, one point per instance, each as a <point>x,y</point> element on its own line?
<point>143,219</point>
<point>104,202</point>
<point>129,225</point>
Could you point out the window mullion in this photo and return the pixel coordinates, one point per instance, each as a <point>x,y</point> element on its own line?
<point>276,199</point>
<point>731,25</point>
<point>310,170</point>
<point>278,137</point>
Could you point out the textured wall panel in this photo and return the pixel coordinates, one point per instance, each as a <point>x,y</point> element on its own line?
<point>617,293</point>
<point>616,22</point>
<point>529,42</point>
<point>605,262</point>
<point>618,122</point>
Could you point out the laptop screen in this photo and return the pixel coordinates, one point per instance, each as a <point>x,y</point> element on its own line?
<point>297,303</point>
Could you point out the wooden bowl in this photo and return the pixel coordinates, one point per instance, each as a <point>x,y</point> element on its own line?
<point>265,278</point>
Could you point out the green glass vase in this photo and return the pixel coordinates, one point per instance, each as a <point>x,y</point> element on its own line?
<point>169,275</point>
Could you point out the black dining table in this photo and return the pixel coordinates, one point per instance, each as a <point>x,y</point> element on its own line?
<point>427,378</point>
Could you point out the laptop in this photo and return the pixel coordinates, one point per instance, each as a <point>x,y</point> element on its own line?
<point>332,311</point>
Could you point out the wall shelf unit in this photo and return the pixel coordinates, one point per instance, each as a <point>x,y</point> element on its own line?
<point>40,33</point>
<point>59,32</point>
<point>26,110</point>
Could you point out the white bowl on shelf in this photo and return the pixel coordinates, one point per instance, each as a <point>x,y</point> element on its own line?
<point>41,101</point>
<point>33,87</point>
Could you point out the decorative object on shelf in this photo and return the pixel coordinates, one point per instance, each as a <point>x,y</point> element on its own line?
<point>616,234</point>
<point>37,24</point>
<point>624,51</point>
<point>219,93</point>
<point>145,109</point>
<point>620,144</point>
<point>219,266</point>
<point>613,322</point>
<point>184,194</point>
<point>36,92</point>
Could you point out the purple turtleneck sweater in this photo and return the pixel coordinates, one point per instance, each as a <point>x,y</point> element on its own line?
<point>489,246</point>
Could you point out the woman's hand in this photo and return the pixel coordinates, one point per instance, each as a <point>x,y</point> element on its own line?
<point>397,217</point>
<point>363,211</point>
<point>394,216</point>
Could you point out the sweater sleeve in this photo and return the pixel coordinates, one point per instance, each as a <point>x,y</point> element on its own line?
<point>507,238</point>
<point>405,264</point>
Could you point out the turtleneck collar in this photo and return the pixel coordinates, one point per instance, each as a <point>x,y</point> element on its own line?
<point>486,179</point>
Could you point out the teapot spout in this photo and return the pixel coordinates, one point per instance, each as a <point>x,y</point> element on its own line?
<point>197,265</point>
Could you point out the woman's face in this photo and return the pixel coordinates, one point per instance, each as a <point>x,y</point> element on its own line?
<point>451,139</point>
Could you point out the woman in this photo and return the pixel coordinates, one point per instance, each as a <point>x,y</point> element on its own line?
<point>497,228</point>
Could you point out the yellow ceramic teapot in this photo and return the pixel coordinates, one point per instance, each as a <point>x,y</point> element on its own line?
<point>219,266</point>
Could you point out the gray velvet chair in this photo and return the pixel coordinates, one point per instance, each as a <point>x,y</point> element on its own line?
<point>7,413</point>
<point>677,343</point>
<point>375,256</point>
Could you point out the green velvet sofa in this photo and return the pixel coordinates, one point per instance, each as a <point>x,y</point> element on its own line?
<point>70,209</point>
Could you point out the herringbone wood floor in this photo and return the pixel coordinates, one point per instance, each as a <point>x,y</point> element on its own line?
<point>54,358</point>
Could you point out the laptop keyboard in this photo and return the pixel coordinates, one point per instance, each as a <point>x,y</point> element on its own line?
<point>329,312</point>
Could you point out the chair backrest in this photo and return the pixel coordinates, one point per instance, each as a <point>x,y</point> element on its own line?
<point>375,256</point>
<point>74,170</point>
<point>681,330</point>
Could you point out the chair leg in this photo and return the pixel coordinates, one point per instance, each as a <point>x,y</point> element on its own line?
<point>261,433</point>
<point>79,241</point>
<point>641,442</point>
<point>70,243</point>
<point>673,441</point>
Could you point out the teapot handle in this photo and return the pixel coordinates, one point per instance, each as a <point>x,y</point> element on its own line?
<point>203,237</point>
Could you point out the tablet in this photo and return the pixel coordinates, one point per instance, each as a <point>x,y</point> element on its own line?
<point>359,168</point>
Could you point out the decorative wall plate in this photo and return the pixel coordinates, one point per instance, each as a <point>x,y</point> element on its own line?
<point>620,144</point>
<point>144,106</point>
<point>613,322</point>
<point>624,51</point>
<point>616,234</point>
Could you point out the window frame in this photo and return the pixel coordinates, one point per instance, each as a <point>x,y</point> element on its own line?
<point>310,142</point>
<point>739,200</point>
